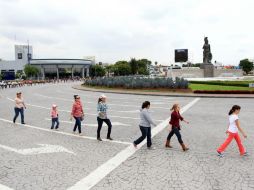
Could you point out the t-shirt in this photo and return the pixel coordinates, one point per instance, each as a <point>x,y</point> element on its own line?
<point>19,103</point>
<point>232,123</point>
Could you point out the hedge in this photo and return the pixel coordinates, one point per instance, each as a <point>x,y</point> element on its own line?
<point>138,82</point>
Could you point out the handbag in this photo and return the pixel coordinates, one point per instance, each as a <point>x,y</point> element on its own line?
<point>82,117</point>
<point>102,115</point>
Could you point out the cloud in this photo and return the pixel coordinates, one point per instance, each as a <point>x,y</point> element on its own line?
<point>114,30</point>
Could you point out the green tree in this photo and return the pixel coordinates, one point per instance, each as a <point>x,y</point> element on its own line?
<point>97,71</point>
<point>143,65</point>
<point>1,76</point>
<point>122,68</point>
<point>134,66</point>
<point>246,65</point>
<point>19,74</point>
<point>109,69</point>
<point>31,71</point>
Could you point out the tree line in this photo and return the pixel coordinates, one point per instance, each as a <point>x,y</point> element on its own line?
<point>122,68</point>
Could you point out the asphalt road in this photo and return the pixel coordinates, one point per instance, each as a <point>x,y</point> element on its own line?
<point>81,162</point>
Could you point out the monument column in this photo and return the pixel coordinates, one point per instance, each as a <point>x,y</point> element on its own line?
<point>83,72</point>
<point>57,72</point>
<point>43,72</point>
<point>87,72</point>
<point>72,72</point>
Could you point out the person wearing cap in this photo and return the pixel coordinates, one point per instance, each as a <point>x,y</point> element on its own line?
<point>102,108</point>
<point>78,113</point>
<point>54,117</point>
<point>19,108</point>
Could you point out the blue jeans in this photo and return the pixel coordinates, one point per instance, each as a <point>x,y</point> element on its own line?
<point>55,121</point>
<point>146,133</point>
<point>77,124</point>
<point>17,111</point>
<point>175,130</point>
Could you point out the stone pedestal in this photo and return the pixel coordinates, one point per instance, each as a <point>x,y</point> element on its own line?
<point>208,69</point>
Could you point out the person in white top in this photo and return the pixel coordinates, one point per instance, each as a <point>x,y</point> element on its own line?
<point>232,132</point>
<point>19,108</point>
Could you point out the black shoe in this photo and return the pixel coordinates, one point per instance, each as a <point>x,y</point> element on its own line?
<point>23,123</point>
<point>99,139</point>
<point>109,138</point>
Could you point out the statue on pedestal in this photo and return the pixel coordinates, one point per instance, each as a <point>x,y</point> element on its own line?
<point>207,55</point>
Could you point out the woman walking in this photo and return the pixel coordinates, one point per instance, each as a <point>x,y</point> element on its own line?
<point>145,125</point>
<point>78,113</point>
<point>19,107</point>
<point>232,132</point>
<point>102,108</point>
<point>175,127</point>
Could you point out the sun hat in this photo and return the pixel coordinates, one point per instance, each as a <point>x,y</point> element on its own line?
<point>54,105</point>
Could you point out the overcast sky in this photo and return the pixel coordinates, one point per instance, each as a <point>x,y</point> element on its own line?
<point>115,30</point>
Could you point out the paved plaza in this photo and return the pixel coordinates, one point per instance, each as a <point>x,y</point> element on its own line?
<point>33,157</point>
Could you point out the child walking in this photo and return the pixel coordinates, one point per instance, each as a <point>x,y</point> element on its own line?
<point>175,127</point>
<point>232,132</point>
<point>54,117</point>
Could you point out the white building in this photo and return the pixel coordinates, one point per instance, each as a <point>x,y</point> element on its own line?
<point>24,55</point>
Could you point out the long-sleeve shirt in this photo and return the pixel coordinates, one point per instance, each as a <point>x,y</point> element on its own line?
<point>102,110</point>
<point>77,109</point>
<point>145,118</point>
<point>175,118</point>
<point>19,103</point>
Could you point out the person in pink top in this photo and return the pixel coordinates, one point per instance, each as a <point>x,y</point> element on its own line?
<point>232,131</point>
<point>78,113</point>
<point>19,107</point>
<point>54,117</point>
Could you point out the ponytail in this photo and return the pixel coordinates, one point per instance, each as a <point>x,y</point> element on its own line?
<point>233,109</point>
<point>99,100</point>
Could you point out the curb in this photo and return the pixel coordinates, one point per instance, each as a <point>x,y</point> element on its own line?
<point>162,94</point>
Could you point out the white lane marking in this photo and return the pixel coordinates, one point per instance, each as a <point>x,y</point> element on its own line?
<point>98,174</point>
<point>114,116</point>
<point>64,133</point>
<point>92,125</point>
<point>49,97</point>
<point>42,107</point>
<point>3,187</point>
<point>115,97</point>
<point>168,98</point>
<point>121,103</point>
<point>132,111</point>
<point>64,99</point>
<point>99,93</point>
<point>157,103</point>
<point>43,149</point>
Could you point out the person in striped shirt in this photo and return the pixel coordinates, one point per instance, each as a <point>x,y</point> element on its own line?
<point>102,116</point>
